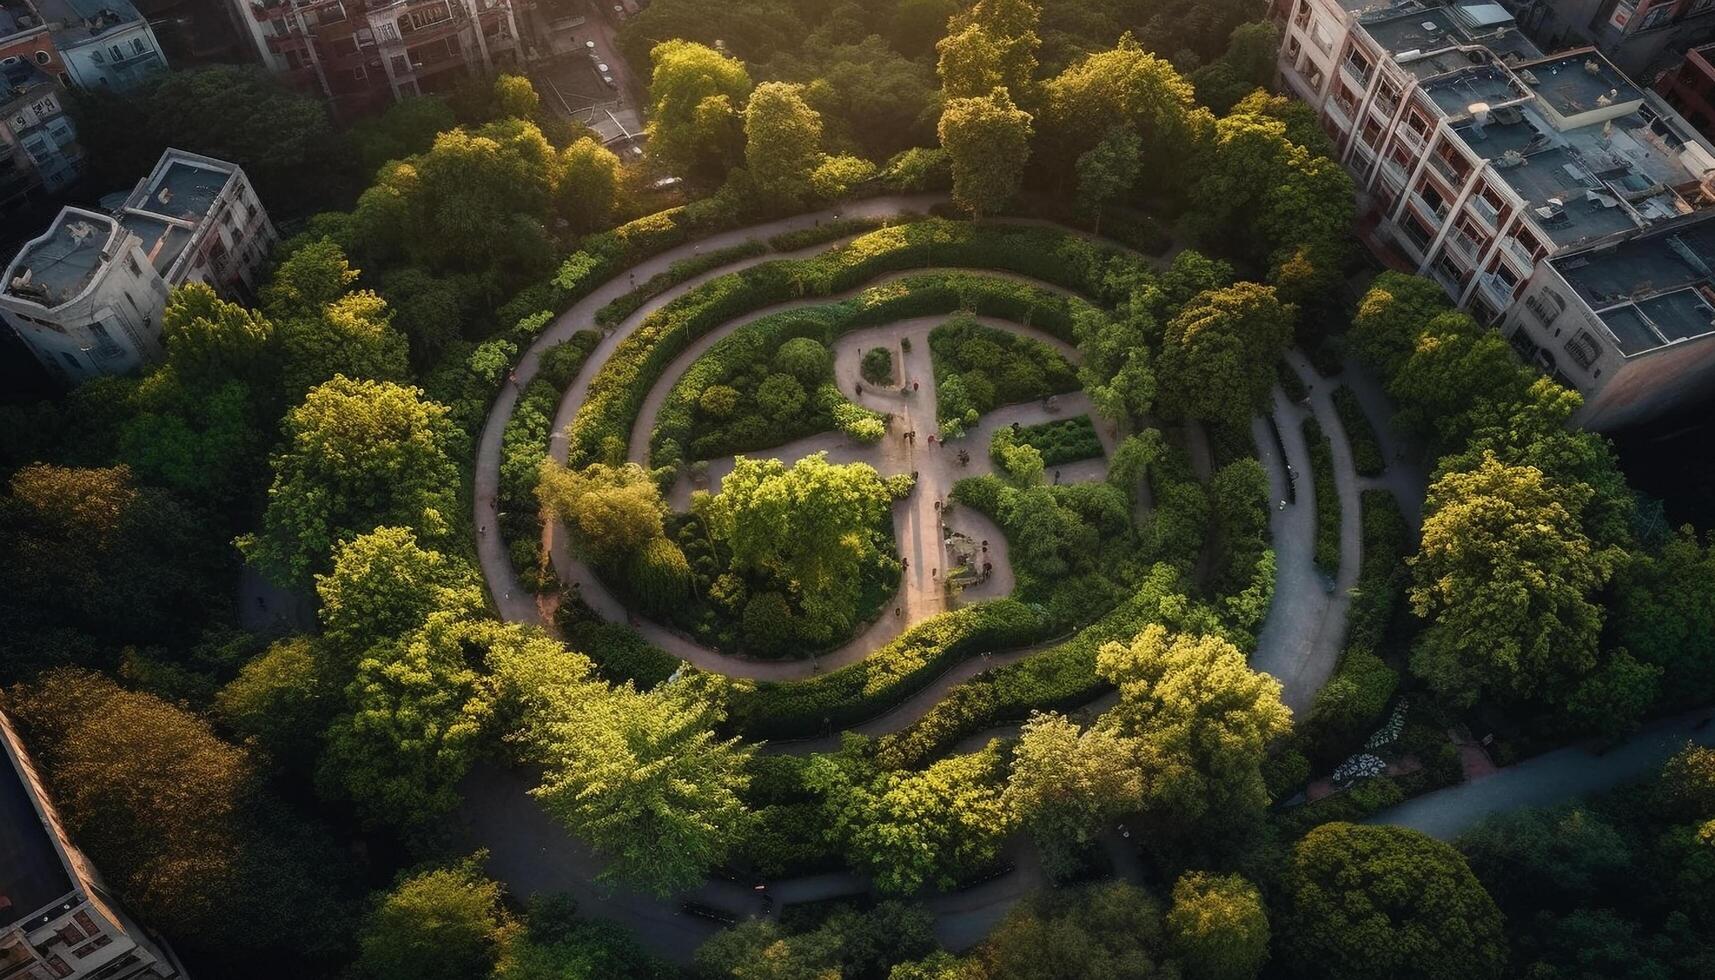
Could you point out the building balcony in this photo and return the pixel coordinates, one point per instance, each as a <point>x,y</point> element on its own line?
<point>1485,214</point>
<point>1447,170</point>
<point>1341,114</point>
<point>1394,174</point>
<point>1410,139</point>
<point>1359,79</point>
<point>1465,247</point>
<point>1518,253</point>
<point>424,35</point>
<point>1496,291</point>
<point>1435,214</point>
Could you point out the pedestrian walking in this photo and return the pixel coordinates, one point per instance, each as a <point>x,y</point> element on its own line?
<point>915,385</point>
<point>1282,505</point>
<point>904,563</point>
<point>937,506</point>
<point>985,546</point>
<point>934,572</point>
<point>482,529</point>
<point>859,389</point>
<point>1056,477</point>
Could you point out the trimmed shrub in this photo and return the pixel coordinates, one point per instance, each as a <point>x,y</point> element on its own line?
<point>768,624</point>
<point>659,576</point>
<point>979,368</point>
<point>718,401</point>
<point>780,396</point>
<point>1327,498</point>
<point>1367,456</point>
<point>804,358</point>
<point>828,231</point>
<point>877,366</point>
<point>1062,440</point>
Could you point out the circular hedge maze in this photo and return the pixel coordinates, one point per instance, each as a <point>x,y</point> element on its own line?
<point>853,466</point>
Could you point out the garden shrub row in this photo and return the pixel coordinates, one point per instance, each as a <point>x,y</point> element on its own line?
<point>806,708</point>
<point>1367,456</point>
<point>1058,679</point>
<point>1327,498</point>
<point>1351,704</point>
<point>829,231</point>
<point>617,391</point>
<point>1291,383</point>
<point>681,271</point>
<point>524,445</point>
<point>1178,524</point>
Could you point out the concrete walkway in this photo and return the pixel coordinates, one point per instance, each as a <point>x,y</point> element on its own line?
<point>1305,630</point>
<point>1549,779</point>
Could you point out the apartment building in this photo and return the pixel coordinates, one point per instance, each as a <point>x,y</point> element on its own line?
<point>364,54</point>
<point>87,295</point>
<point>1478,159</point>
<point>57,921</point>
<point>38,141</point>
<point>102,43</point>
<point>1641,37</point>
<point>1690,88</point>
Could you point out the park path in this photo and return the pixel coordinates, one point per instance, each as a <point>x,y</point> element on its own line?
<point>1551,778</point>
<point>1305,630</point>
<point>513,602</point>
<point>918,527</point>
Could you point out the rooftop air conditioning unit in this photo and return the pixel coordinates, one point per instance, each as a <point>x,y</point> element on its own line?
<point>1592,67</point>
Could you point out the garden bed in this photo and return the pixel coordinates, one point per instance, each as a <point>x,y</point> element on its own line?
<point>1367,456</point>
<point>1062,440</point>
<point>1327,498</point>
<point>979,368</point>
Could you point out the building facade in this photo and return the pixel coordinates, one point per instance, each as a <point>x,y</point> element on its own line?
<point>1478,158</point>
<point>57,920</point>
<point>1641,37</point>
<point>103,44</point>
<point>362,55</point>
<point>37,136</point>
<point>87,295</point>
<point>1690,88</point>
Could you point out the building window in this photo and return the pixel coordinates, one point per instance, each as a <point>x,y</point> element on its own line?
<point>1583,349</point>
<point>1545,306</point>
<point>118,55</point>
<point>98,57</point>
<point>137,46</point>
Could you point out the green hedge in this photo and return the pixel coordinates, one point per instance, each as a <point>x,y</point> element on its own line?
<point>1367,456</point>
<point>796,709</point>
<point>1064,440</point>
<point>828,231</point>
<point>618,390</point>
<point>1291,383</point>
<point>1057,679</point>
<point>1351,704</point>
<point>1327,498</point>
<point>524,445</point>
<point>681,271</point>
<point>978,369</point>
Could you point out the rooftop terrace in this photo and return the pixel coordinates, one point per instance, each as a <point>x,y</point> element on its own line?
<point>1578,82</point>
<point>31,875</point>
<point>183,190</point>
<point>55,269</point>
<point>77,21</point>
<point>1652,289</point>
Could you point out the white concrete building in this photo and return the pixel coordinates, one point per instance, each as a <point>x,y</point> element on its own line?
<point>102,43</point>
<point>57,921</point>
<point>1478,159</point>
<point>87,295</point>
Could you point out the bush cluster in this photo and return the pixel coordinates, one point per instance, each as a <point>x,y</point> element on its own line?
<point>1062,440</point>
<point>767,383</point>
<point>1327,498</point>
<point>618,389</point>
<point>1367,456</point>
<point>829,231</point>
<point>978,369</point>
<point>877,366</point>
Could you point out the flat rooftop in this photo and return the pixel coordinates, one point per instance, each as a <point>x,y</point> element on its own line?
<point>31,875</point>
<point>21,81</point>
<point>162,241</point>
<point>57,268</point>
<point>1578,82</point>
<point>1651,289</point>
<point>1489,85</point>
<point>183,190</point>
<point>1586,210</point>
<point>1414,31</point>
<point>77,21</point>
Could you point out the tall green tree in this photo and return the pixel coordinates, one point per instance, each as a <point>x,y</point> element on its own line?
<point>417,711</point>
<point>1201,722</point>
<point>611,511</point>
<point>988,141</point>
<point>1123,86</point>
<point>1217,927</point>
<point>991,45</point>
<point>783,140</point>
<point>915,829</point>
<point>384,584</point>
<point>588,189</point>
<point>358,455</point>
<point>1506,578</point>
<point>1067,785</point>
<point>1220,352</point>
<point>812,524</point>
<point>441,924</point>
<point>1365,901</point>
<point>1108,170</point>
<point>694,96</point>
